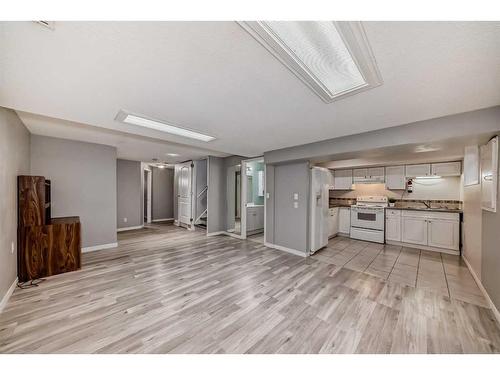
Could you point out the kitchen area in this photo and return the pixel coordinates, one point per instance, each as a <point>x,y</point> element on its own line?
<point>404,223</point>
<point>417,205</point>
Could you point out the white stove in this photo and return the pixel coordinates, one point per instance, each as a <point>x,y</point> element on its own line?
<point>368,218</point>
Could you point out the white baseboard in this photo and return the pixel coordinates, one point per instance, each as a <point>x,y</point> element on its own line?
<point>483,290</point>
<point>159,220</point>
<point>286,249</point>
<point>215,233</point>
<point>7,295</point>
<point>129,228</point>
<point>99,247</point>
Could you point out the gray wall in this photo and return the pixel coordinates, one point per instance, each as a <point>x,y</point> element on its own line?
<point>463,124</point>
<point>83,179</point>
<point>14,161</point>
<point>162,193</point>
<point>128,193</point>
<point>490,257</point>
<point>285,225</point>
<point>216,195</point>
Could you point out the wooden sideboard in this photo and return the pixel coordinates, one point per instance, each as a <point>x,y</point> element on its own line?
<point>46,246</point>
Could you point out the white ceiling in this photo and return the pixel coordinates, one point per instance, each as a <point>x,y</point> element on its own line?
<point>215,78</point>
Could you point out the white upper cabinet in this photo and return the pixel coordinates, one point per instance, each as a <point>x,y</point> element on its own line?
<point>395,177</point>
<point>359,175</point>
<point>446,169</point>
<point>342,179</point>
<point>368,175</point>
<point>418,170</point>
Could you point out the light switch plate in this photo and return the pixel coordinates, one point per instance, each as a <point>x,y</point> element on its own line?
<point>295,196</point>
<point>267,195</point>
<point>125,219</point>
<point>295,204</point>
<point>12,247</point>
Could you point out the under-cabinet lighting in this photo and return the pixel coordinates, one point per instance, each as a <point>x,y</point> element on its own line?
<point>427,177</point>
<point>162,126</point>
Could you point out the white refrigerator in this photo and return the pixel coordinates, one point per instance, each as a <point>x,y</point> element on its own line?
<point>321,181</point>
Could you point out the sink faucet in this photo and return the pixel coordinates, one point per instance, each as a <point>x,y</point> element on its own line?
<point>427,204</point>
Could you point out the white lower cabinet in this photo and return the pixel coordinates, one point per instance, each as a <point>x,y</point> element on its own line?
<point>255,218</point>
<point>443,233</point>
<point>414,230</point>
<point>393,228</point>
<point>344,220</point>
<point>333,221</point>
<point>428,229</point>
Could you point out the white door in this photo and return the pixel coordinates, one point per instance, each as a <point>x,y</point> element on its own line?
<point>447,169</point>
<point>342,179</point>
<point>418,170</point>
<point>184,196</point>
<point>393,228</point>
<point>333,222</point>
<point>443,234</point>
<point>344,220</point>
<point>414,230</point>
<point>395,177</point>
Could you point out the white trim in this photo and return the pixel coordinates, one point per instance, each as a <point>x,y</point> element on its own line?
<point>355,40</point>
<point>166,219</point>
<point>215,233</point>
<point>7,295</point>
<point>286,249</point>
<point>99,247</point>
<point>129,228</point>
<point>493,308</point>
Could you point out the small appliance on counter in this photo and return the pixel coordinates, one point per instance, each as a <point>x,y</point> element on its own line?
<point>368,218</point>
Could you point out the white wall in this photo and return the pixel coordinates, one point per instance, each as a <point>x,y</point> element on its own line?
<point>128,193</point>
<point>14,161</point>
<point>83,177</point>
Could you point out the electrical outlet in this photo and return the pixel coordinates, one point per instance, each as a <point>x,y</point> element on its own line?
<point>125,219</point>
<point>12,247</point>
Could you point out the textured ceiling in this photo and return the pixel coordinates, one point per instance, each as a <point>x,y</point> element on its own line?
<point>215,78</point>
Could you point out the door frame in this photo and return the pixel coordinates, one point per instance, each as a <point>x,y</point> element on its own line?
<point>244,189</point>
<point>148,188</point>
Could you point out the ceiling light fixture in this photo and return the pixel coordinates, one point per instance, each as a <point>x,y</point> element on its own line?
<point>333,58</point>
<point>173,155</point>
<point>133,119</point>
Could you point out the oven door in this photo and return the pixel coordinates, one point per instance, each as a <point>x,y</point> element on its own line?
<point>368,218</point>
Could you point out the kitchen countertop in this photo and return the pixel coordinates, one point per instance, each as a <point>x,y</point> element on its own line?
<point>339,205</point>
<point>452,210</point>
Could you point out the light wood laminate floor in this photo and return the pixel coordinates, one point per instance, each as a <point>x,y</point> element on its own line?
<point>168,290</point>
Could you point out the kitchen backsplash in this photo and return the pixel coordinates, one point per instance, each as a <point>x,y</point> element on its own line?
<point>445,188</point>
<point>402,203</point>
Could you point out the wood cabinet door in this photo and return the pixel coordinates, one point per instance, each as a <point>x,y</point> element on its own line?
<point>395,177</point>
<point>414,230</point>
<point>393,228</point>
<point>443,233</point>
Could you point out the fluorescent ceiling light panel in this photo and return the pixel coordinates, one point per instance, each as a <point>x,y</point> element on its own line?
<point>333,58</point>
<point>161,126</point>
<point>173,155</point>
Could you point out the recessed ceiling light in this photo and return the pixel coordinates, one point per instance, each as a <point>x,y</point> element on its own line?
<point>173,155</point>
<point>161,126</point>
<point>333,58</point>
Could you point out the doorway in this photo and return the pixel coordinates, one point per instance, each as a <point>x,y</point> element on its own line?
<point>253,199</point>
<point>147,196</point>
